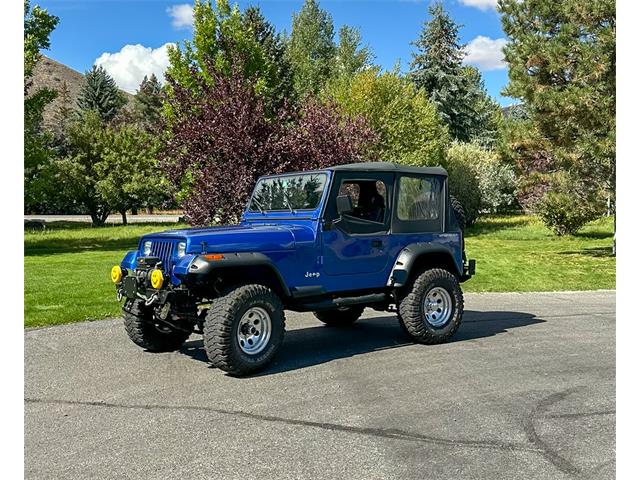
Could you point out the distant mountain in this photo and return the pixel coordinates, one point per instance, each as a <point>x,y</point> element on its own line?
<point>51,74</point>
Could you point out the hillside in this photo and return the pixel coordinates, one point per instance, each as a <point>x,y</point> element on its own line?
<point>54,75</point>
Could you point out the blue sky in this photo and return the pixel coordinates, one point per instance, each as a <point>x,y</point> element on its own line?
<point>128,37</point>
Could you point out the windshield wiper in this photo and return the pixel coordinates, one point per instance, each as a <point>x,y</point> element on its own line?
<point>286,201</point>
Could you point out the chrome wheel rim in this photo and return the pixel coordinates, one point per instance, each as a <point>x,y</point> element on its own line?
<point>254,330</point>
<point>437,306</point>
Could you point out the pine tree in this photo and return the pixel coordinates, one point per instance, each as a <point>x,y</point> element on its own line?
<point>457,90</point>
<point>101,94</point>
<point>274,46</point>
<point>311,49</point>
<point>437,68</point>
<point>147,103</point>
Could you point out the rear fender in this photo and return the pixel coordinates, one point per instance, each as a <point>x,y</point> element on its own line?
<point>418,256</point>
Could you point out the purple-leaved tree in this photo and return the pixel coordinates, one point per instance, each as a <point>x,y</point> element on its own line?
<point>219,140</point>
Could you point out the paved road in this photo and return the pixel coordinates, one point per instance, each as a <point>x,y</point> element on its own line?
<point>526,390</point>
<point>111,219</point>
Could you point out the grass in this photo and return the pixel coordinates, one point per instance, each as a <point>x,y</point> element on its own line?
<point>66,271</point>
<point>67,266</point>
<point>519,254</point>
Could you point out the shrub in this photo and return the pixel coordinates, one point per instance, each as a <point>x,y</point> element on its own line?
<point>479,180</point>
<point>564,212</point>
<point>464,185</point>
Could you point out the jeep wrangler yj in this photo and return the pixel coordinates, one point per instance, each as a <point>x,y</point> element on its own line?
<point>332,242</point>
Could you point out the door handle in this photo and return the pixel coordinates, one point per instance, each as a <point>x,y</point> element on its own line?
<point>376,243</point>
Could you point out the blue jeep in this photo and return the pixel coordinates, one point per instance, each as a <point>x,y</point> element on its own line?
<point>333,242</point>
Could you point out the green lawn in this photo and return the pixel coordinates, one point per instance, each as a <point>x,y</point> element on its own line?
<point>67,267</point>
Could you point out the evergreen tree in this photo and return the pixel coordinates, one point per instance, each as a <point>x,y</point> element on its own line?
<point>101,94</point>
<point>274,46</point>
<point>563,67</point>
<point>437,68</point>
<point>351,58</point>
<point>311,49</point>
<point>457,91</point>
<point>147,103</point>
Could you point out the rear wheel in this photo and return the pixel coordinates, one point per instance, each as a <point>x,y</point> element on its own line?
<point>431,310</point>
<point>145,331</point>
<point>339,317</point>
<point>244,329</point>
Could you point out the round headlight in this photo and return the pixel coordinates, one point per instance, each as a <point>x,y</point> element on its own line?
<point>147,247</point>
<point>182,249</point>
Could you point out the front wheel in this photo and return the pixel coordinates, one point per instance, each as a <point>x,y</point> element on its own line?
<point>431,310</point>
<point>146,332</point>
<point>339,317</point>
<point>244,329</point>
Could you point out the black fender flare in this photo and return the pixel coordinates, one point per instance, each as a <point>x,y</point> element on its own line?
<point>203,266</point>
<point>407,257</point>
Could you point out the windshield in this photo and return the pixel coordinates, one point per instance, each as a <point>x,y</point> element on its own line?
<point>288,192</point>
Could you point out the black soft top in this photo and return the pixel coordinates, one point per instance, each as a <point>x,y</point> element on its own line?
<point>388,167</point>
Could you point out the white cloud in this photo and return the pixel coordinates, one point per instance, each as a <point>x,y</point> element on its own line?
<point>481,4</point>
<point>486,53</point>
<point>129,66</point>
<point>181,15</point>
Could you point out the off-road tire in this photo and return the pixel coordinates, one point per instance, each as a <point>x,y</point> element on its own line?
<point>339,317</point>
<point>411,309</point>
<point>221,326</point>
<point>458,211</point>
<point>141,329</point>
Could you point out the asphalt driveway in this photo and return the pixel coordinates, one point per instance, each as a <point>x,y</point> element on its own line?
<point>526,390</point>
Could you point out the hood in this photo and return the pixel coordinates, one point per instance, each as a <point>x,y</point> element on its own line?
<point>238,238</point>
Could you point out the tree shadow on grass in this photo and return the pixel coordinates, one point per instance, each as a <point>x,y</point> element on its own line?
<point>596,252</point>
<point>309,346</point>
<point>484,227</point>
<point>45,244</point>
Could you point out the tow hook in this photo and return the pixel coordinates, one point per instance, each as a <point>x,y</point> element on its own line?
<point>163,312</point>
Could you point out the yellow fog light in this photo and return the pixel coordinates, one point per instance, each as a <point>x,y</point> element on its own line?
<point>157,279</point>
<point>116,274</point>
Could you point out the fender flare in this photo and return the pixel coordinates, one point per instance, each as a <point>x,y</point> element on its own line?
<point>407,257</point>
<point>200,265</point>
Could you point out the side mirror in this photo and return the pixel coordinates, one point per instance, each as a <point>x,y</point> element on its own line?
<point>344,204</point>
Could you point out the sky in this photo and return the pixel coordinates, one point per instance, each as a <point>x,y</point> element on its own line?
<point>129,38</point>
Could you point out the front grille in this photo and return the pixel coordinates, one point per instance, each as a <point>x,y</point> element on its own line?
<point>164,250</point>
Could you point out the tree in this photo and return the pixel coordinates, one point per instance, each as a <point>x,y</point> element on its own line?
<point>274,46</point>
<point>311,49</point>
<point>38,25</point>
<point>221,140</point>
<point>561,58</point>
<point>220,36</point>
<point>406,122</point>
<point>350,57</point>
<point>127,173</point>
<point>100,94</point>
<point>74,176</point>
<point>147,103</point>
<point>457,91</point>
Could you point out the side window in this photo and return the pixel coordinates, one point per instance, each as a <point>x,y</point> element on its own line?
<point>369,198</point>
<point>419,199</point>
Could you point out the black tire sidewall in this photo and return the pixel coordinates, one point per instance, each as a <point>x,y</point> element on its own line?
<point>275,311</point>
<point>412,308</point>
